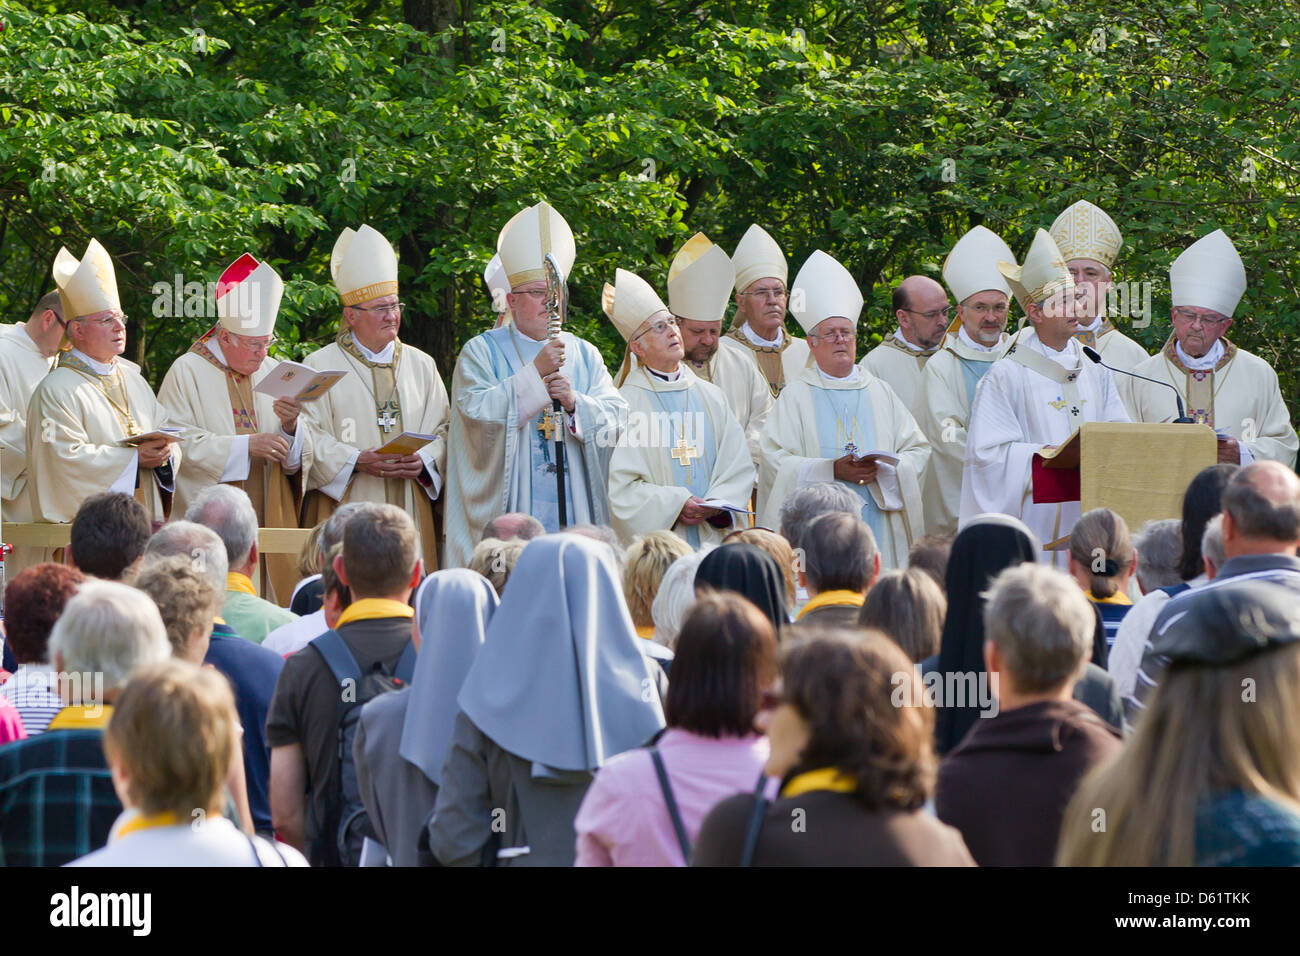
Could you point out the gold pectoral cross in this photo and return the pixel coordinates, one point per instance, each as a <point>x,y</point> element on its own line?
<point>547,426</point>
<point>684,454</point>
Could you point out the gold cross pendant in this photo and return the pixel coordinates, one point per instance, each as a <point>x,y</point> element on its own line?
<point>547,426</point>
<point>684,454</point>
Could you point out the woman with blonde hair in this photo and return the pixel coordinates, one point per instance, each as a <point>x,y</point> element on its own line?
<point>648,557</point>
<point>1211,776</point>
<point>1101,560</point>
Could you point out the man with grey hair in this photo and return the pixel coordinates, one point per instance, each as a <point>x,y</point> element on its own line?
<point>840,563</point>
<point>57,800</point>
<point>802,506</point>
<point>1261,535</point>
<point>1006,785</point>
<point>228,511</point>
<point>1158,545</point>
<point>513,524</point>
<point>251,670</point>
<point>309,596</point>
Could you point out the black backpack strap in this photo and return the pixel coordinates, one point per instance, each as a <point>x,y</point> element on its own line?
<point>338,658</point>
<point>755,823</point>
<point>405,669</point>
<point>671,801</point>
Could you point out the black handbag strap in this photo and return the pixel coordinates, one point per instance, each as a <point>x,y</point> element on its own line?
<point>755,823</point>
<point>671,801</point>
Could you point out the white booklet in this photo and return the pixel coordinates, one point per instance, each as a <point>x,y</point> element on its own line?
<point>297,381</point>
<point>725,506</point>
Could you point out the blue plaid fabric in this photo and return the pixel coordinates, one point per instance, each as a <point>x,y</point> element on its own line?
<point>1239,829</point>
<point>56,798</point>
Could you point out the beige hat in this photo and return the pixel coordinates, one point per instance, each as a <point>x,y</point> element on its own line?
<point>700,281</point>
<point>248,297</point>
<point>822,290</point>
<point>88,286</point>
<point>1084,231</point>
<point>364,266</point>
<point>1208,275</point>
<point>1043,273</point>
<point>757,257</point>
<point>527,238</point>
<point>629,302</point>
<point>972,265</point>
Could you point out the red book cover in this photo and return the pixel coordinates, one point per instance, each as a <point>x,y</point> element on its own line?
<point>1053,485</point>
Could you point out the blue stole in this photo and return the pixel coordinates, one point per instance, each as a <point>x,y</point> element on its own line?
<point>689,419</point>
<point>843,416</point>
<point>971,373</point>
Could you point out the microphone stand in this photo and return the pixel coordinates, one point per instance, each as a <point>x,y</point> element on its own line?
<point>1182,419</point>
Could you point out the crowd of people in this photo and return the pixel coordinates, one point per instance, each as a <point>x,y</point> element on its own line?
<point>749,600</point>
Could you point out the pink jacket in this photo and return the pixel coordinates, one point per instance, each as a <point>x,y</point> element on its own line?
<point>11,725</point>
<point>623,820</point>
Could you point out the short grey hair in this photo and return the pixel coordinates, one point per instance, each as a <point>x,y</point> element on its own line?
<point>839,552</point>
<point>194,541</point>
<point>495,559</point>
<point>229,512</point>
<point>111,629</point>
<point>1212,543</point>
<point>675,597</point>
<point>602,532</point>
<point>332,533</point>
<point>1041,623</point>
<point>810,501</point>
<point>513,524</point>
<point>1273,513</point>
<point>1159,547</point>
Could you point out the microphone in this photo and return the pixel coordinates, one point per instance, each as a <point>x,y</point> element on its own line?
<point>1182,419</point>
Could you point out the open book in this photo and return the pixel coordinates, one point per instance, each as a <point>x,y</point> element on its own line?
<point>725,506</point>
<point>169,434</point>
<point>407,443</point>
<point>297,381</point>
<point>887,457</point>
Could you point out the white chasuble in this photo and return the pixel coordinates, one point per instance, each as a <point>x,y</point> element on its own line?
<point>1018,410</point>
<point>357,414</point>
<point>746,390</point>
<point>22,366</point>
<point>78,418</point>
<point>944,403</point>
<point>814,421</point>
<point>503,431</point>
<point>779,365</point>
<point>900,367</point>
<point>1239,395</point>
<point>219,410</point>
<point>681,440</point>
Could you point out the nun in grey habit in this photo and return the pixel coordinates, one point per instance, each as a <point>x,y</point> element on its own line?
<point>559,687</point>
<point>403,737</point>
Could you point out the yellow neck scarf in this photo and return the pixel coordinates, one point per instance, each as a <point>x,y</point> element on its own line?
<point>645,631</point>
<point>368,609</point>
<point>1119,597</point>
<point>141,822</point>
<point>828,778</point>
<point>75,717</point>
<point>833,598</point>
<point>240,583</point>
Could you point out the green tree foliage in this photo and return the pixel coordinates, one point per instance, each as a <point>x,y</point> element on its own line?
<point>184,134</point>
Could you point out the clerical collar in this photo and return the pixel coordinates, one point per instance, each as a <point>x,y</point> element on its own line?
<point>1206,361</point>
<point>757,340</point>
<point>1067,357</point>
<point>1093,326</point>
<point>851,377</point>
<point>969,342</point>
<point>382,357</point>
<point>99,368</point>
<point>898,334</point>
<point>665,376</point>
<point>215,348</point>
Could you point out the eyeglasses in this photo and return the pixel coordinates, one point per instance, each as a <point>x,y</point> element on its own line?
<point>252,345</point>
<point>105,323</point>
<point>392,309</point>
<point>658,328</point>
<point>836,336</point>
<point>774,293</point>
<point>983,308</point>
<point>936,314</point>
<point>1194,318</point>
<point>537,294</point>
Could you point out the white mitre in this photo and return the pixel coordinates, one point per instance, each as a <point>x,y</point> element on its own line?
<point>494,277</point>
<point>248,297</point>
<point>88,286</point>
<point>1084,231</point>
<point>1208,275</point>
<point>527,238</point>
<point>757,257</point>
<point>363,265</point>
<point>629,302</point>
<point>824,289</point>
<point>700,281</point>
<point>1043,273</point>
<point>972,265</point>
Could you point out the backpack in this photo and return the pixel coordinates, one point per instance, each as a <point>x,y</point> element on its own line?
<point>346,824</point>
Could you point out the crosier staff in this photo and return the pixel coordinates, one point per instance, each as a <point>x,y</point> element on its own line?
<point>557,308</point>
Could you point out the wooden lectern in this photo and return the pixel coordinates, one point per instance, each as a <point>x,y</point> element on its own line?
<point>1139,471</point>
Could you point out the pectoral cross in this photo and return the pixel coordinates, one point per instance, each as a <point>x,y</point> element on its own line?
<point>684,454</point>
<point>386,422</point>
<point>851,449</point>
<point>547,426</point>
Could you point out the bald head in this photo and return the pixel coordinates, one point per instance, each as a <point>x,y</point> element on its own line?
<point>513,524</point>
<point>1261,510</point>
<point>919,306</point>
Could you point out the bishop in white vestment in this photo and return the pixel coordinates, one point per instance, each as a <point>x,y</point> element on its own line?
<point>503,425</point>
<point>683,454</point>
<point>921,308</point>
<point>82,412</point>
<point>949,381</point>
<point>390,388</point>
<point>1034,398</point>
<point>233,434</point>
<point>1233,391</point>
<point>831,422</point>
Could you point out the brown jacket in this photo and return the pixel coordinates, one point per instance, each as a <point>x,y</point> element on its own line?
<point>1006,785</point>
<point>824,828</point>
